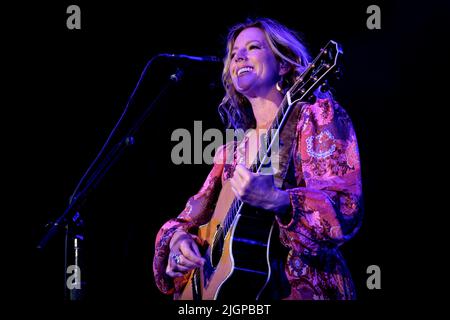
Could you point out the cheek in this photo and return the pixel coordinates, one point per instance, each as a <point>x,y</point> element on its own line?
<point>270,64</point>
<point>230,72</point>
<point>231,68</point>
<point>233,79</point>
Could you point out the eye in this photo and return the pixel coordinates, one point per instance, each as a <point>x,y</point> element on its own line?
<point>254,46</point>
<point>232,55</point>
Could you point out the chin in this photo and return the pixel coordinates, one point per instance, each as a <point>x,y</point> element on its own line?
<point>245,90</point>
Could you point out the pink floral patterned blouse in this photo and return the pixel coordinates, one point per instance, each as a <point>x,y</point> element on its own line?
<point>326,207</point>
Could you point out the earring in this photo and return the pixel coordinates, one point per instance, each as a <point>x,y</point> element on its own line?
<point>278,86</point>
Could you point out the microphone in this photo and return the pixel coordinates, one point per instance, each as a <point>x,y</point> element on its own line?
<point>195,58</point>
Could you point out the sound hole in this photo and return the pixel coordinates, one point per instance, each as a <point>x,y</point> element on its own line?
<point>217,246</point>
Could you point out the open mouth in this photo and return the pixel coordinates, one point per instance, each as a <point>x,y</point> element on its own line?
<point>244,70</point>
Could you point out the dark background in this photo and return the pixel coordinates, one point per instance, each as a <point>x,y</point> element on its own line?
<point>70,87</point>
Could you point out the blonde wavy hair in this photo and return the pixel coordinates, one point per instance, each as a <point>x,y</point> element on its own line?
<point>286,45</point>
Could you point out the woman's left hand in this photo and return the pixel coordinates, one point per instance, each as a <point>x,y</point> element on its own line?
<point>258,190</point>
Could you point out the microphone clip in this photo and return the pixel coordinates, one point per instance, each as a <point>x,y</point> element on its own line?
<point>177,76</point>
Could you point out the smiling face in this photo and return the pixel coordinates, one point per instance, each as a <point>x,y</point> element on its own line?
<point>254,70</point>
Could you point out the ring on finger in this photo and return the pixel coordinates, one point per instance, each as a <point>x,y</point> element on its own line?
<point>177,258</point>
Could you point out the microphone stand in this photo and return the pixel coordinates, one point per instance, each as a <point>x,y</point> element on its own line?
<point>71,220</point>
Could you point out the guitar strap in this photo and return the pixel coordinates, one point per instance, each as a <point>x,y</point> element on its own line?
<point>287,137</point>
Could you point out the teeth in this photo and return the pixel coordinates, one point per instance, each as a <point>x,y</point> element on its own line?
<point>245,69</point>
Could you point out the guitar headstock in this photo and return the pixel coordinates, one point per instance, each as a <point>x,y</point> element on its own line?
<point>318,71</point>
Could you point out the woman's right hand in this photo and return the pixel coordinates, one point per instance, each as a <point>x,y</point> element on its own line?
<point>184,255</point>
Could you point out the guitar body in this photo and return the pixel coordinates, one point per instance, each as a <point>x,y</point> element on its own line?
<point>237,263</point>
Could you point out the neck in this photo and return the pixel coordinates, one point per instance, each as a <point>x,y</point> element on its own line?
<point>265,108</point>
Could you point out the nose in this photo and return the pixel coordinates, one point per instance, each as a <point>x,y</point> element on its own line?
<point>240,55</point>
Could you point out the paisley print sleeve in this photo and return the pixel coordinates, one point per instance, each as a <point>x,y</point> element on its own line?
<point>326,204</point>
<point>198,211</point>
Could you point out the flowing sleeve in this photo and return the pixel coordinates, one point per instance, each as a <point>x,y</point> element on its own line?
<point>198,210</point>
<point>326,203</point>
